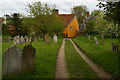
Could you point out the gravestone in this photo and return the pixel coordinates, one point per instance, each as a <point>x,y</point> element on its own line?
<point>114,47</point>
<point>28,59</point>
<point>47,38</point>
<point>22,41</point>
<point>89,37</point>
<point>12,61</point>
<point>55,38</point>
<point>96,40</point>
<point>17,61</point>
<point>18,39</point>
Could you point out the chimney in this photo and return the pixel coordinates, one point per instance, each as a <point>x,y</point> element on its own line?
<point>56,11</point>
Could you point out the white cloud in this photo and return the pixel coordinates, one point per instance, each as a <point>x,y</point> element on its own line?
<point>11,6</point>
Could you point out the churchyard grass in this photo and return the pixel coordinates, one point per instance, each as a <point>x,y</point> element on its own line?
<point>77,67</point>
<point>100,54</point>
<point>46,55</point>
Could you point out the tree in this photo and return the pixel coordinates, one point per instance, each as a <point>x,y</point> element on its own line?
<point>80,12</point>
<point>104,27</point>
<point>43,20</point>
<point>16,21</point>
<point>112,11</point>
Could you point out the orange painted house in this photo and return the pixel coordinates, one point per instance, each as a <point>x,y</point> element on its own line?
<point>71,24</point>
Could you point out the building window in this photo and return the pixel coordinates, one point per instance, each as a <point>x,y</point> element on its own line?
<point>70,28</point>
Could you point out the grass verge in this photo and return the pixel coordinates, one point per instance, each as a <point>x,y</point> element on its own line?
<point>101,54</point>
<point>46,55</point>
<point>77,67</point>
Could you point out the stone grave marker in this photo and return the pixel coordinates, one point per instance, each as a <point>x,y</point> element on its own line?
<point>89,37</point>
<point>12,61</point>
<point>28,59</point>
<point>55,38</point>
<point>47,38</point>
<point>96,40</point>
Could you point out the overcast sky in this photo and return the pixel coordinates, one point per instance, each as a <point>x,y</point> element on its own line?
<point>64,6</point>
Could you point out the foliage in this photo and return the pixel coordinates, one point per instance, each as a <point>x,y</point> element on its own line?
<point>90,27</point>
<point>111,10</point>
<point>104,27</point>
<point>80,12</point>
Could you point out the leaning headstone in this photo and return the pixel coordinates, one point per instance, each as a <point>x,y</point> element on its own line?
<point>12,61</point>
<point>28,59</point>
<point>55,38</point>
<point>96,40</point>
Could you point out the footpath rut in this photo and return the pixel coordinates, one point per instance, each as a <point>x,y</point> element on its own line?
<point>61,66</point>
<point>99,71</point>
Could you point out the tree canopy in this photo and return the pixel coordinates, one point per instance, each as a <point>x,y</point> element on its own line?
<point>42,20</point>
<point>80,12</point>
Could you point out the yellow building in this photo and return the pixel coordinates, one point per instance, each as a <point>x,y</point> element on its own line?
<point>71,24</point>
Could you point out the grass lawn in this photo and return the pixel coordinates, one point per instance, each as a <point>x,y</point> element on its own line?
<point>101,54</point>
<point>77,67</point>
<point>46,55</point>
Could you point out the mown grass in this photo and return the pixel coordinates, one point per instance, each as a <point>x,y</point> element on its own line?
<point>77,67</point>
<point>46,55</point>
<point>100,54</point>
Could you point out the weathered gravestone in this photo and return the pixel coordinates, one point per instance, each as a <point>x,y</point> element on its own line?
<point>55,38</point>
<point>28,59</point>
<point>17,61</point>
<point>12,61</point>
<point>47,38</point>
<point>96,40</point>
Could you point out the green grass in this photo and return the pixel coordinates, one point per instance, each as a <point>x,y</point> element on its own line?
<point>77,67</point>
<point>46,55</point>
<point>101,54</point>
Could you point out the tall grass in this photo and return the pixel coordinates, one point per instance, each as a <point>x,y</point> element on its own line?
<point>77,67</point>
<point>101,54</point>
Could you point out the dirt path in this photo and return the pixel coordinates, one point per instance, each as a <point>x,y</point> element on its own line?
<point>99,71</point>
<point>61,66</point>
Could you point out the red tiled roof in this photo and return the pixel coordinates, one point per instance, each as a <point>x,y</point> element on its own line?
<point>67,17</point>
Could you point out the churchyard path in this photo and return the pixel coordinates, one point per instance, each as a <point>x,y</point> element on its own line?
<point>98,70</point>
<point>61,65</point>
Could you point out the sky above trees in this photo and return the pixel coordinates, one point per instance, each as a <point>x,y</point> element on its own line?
<point>12,6</point>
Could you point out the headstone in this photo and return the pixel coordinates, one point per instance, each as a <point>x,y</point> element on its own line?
<point>30,39</point>
<point>47,38</point>
<point>103,40</point>
<point>96,40</point>
<point>28,59</point>
<point>26,39</point>
<point>89,37</point>
<point>22,41</point>
<point>114,47</point>
<point>15,40</point>
<point>18,40</point>
<point>55,38</point>
<point>12,61</point>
